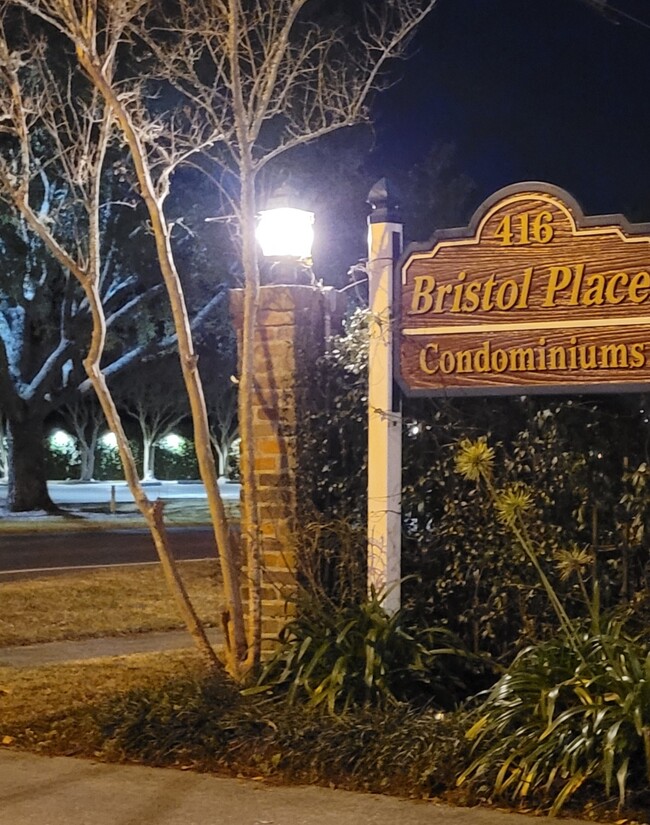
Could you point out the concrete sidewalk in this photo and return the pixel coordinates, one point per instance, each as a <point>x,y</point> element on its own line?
<point>48,653</point>
<point>64,791</point>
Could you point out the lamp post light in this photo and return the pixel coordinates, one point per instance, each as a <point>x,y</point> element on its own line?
<point>285,234</point>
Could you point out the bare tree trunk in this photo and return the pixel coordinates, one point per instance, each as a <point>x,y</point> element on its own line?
<point>4,460</point>
<point>236,644</point>
<point>153,512</point>
<point>88,280</point>
<point>222,458</point>
<point>148,457</point>
<point>85,419</point>
<point>87,453</point>
<point>246,391</point>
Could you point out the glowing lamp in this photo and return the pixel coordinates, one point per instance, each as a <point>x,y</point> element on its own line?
<point>284,230</point>
<point>172,442</point>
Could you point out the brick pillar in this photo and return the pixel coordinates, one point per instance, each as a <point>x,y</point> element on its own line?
<point>290,336</point>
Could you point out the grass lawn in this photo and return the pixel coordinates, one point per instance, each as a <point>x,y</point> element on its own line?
<point>44,707</point>
<point>41,708</point>
<point>105,602</point>
<point>164,709</point>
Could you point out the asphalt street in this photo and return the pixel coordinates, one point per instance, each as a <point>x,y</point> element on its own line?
<point>39,552</point>
<point>45,550</point>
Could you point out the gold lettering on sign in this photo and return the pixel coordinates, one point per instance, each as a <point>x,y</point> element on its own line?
<point>572,286</point>
<point>461,297</point>
<point>423,286</point>
<point>531,295</point>
<point>542,357</point>
<point>566,286</point>
<point>525,229</point>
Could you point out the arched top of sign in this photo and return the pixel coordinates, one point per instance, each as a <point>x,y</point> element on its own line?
<point>529,193</point>
<point>532,296</point>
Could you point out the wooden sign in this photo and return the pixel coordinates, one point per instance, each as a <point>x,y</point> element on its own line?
<point>532,297</point>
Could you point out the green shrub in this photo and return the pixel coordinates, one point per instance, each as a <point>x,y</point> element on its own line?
<point>358,655</point>
<point>164,723</point>
<point>394,750</point>
<point>207,724</point>
<point>584,457</point>
<point>561,717</point>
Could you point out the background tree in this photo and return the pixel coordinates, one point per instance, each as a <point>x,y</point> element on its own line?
<point>224,426</point>
<point>40,319</point>
<point>84,417</point>
<point>153,397</point>
<point>218,359</point>
<point>4,462</point>
<point>45,319</point>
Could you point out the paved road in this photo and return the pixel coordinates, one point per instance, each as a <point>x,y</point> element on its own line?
<point>48,551</point>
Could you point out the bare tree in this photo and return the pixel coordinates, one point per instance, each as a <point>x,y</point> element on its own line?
<point>80,127</point>
<point>254,80</point>
<point>224,426</point>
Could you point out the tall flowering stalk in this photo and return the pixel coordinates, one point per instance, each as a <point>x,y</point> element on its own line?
<point>475,462</point>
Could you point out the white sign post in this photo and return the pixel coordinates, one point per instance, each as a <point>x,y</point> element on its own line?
<point>384,407</point>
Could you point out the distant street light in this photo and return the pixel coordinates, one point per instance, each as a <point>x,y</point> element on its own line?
<point>109,441</point>
<point>172,442</point>
<point>61,439</point>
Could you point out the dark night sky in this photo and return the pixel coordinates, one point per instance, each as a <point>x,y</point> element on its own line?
<point>530,90</point>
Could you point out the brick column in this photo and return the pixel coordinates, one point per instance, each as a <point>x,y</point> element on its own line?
<point>290,336</point>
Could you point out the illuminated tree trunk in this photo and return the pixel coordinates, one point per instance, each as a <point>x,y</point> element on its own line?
<point>87,467</point>
<point>148,457</point>
<point>253,538</point>
<point>4,461</point>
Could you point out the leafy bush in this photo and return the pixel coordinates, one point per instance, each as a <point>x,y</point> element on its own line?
<point>585,459</point>
<point>394,750</point>
<point>333,438</point>
<point>562,717</point>
<point>162,723</point>
<point>331,558</point>
<point>357,655</point>
<point>208,725</point>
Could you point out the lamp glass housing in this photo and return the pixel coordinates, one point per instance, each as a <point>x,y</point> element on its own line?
<point>286,232</point>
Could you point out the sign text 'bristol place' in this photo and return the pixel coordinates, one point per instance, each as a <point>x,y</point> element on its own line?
<point>531,297</point>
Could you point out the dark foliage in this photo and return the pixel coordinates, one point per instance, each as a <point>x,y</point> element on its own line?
<point>208,724</point>
<point>356,655</point>
<point>584,458</point>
